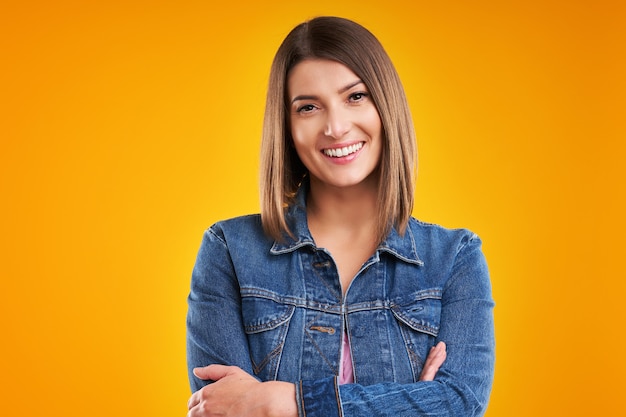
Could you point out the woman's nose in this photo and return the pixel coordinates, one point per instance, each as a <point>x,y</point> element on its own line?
<point>337,123</point>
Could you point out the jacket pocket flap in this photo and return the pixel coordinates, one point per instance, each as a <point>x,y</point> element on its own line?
<point>262,314</point>
<point>421,311</point>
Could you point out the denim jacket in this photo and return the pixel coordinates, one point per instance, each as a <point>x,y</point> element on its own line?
<point>276,310</point>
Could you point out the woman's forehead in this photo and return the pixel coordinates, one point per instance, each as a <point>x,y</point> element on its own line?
<point>320,74</point>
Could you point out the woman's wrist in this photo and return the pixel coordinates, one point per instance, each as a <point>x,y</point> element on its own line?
<point>282,399</point>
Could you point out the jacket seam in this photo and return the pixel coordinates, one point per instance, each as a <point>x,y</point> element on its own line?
<point>216,236</point>
<point>339,412</point>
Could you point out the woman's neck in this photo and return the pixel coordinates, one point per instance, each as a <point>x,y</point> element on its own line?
<point>347,209</point>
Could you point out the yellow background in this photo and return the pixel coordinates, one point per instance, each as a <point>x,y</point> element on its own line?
<point>128,127</point>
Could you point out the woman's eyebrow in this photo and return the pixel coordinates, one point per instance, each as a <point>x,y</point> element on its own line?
<point>304,97</point>
<point>313,97</point>
<point>349,86</point>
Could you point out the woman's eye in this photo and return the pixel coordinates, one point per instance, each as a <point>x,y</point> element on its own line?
<point>358,96</point>
<point>307,108</point>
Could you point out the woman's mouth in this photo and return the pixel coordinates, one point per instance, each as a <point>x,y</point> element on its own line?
<point>341,152</point>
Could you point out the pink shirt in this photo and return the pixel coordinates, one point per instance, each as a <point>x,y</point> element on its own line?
<point>346,374</point>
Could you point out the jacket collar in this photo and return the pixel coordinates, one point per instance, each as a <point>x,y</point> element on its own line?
<point>402,247</point>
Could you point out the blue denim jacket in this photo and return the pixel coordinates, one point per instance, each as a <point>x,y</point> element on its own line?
<point>276,310</point>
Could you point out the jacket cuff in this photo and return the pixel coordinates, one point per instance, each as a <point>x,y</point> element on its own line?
<point>318,398</point>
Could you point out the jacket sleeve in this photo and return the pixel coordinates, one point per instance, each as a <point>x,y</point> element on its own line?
<point>215,332</point>
<point>462,385</point>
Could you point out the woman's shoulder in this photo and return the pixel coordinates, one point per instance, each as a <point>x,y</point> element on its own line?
<point>433,235</point>
<point>245,229</point>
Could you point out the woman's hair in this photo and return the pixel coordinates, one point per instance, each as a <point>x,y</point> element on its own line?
<point>282,172</point>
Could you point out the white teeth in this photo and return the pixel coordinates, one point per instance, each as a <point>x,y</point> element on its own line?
<point>345,151</point>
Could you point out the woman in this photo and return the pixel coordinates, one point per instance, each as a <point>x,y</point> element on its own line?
<point>335,301</point>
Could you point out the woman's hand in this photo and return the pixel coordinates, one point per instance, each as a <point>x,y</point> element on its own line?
<point>435,359</point>
<point>236,393</point>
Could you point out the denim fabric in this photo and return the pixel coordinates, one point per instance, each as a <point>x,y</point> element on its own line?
<point>277,311</point>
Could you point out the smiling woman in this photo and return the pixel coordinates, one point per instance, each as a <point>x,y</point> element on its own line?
<point>335,301</point>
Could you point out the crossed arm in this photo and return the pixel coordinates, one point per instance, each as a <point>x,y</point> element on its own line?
<point>236,393</point>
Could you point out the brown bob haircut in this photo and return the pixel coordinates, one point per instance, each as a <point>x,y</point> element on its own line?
<point>282,172</point>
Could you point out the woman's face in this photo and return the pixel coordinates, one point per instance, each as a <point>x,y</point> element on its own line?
<point>335,126</point>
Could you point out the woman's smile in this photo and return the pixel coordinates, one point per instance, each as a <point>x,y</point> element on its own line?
<point>343,151</point>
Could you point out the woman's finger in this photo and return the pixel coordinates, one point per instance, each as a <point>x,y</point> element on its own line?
<point>435,359</point>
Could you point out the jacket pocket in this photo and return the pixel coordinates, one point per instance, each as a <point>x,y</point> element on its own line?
<point>418,316</point>
<point>266,323</point>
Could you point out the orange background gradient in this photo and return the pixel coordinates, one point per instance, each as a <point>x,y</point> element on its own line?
<point>128,127</point>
